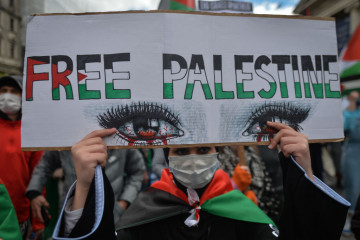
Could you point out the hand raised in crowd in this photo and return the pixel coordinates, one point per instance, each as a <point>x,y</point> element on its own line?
<point>87,154</point>
<point>353,98</point>
<point>292,143</point>
<point>36,205</point>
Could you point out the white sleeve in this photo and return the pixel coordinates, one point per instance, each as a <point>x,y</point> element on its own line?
<point>70,217</point>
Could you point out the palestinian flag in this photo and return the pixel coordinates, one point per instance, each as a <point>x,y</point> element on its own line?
<point>185,5</point>
<point>350,64</point>
<point>164,199</point>
<point>9,226</point>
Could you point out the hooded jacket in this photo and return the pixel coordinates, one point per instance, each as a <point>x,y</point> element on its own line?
<point>16,166</point>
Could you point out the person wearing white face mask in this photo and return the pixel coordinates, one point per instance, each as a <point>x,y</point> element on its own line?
<point>195,200</point>
<point>16,166</point>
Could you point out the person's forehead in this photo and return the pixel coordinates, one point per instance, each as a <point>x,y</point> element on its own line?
<point>7,87</point>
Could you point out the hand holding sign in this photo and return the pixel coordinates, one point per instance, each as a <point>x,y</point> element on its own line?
<point>87,154</point>
<point>292,143</point>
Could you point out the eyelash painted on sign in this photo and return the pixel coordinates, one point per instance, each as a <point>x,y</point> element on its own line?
<point>142,123</point>
<point>286,112</point>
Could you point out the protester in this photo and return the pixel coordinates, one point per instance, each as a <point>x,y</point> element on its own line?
<point>228,158</point>
<point>350,159</point>
<point>162,212</point>
<point>158,164</point>
<point>240,175</point>
<point>16,166</point>
<point>125,170</point>
<point>241,179</point>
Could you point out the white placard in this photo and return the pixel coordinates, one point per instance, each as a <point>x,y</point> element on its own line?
<point>166,78</point>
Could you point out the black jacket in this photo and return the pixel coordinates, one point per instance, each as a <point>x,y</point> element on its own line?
<point>311,211</point>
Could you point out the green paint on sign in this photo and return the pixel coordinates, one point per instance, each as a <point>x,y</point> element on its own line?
<point>298,90</point>
<point>241,93</point>
<point>220,94</point>
<point>284,90</point>
<point>331,94</point>
<point>168,91</point>
<point>268,94</point>
<point>112,93</point>
<point>88,94</point>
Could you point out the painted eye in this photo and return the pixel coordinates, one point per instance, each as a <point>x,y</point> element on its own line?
<point>142,123</point>
<point>287,113</point>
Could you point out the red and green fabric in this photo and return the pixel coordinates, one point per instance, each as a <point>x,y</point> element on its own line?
<point>185,5</point>
<point>9,226</point>
<point>350,63</point>
<point>164,199</point>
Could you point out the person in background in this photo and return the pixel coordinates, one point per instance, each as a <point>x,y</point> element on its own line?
<point>147,157</point>
<point>158,164</point>
<point>241,179</point>
<point>16,166</point>
<point>239,174</point>
<point>350,163</point>
<point>194,199</point>
<point>125,169</point>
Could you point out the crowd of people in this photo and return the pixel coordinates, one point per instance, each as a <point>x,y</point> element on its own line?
<point>178,193</point>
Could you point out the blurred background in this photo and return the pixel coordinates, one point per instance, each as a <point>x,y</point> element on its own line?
<point>328,158</point>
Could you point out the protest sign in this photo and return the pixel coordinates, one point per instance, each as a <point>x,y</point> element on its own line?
<point>165,78</point>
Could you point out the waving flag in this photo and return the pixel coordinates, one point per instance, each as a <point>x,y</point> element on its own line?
<point>350,63</point>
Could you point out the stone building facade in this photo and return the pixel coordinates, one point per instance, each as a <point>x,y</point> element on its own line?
<point>11,61</point>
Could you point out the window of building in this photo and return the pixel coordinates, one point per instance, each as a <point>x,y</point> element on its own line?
<point>12,49</point>
<point>11,3</point>
<point>12,27</point>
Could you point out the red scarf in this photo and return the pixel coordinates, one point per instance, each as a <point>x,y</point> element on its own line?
<point>220,184</point>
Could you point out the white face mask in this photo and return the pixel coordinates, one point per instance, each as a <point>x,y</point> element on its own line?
<point>194,171</point>
<point>10,103</point>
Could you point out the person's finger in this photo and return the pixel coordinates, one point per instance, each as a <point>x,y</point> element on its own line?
<point>33,212</point>
<point>91,141</point>
<point>98,148</point>
<point>46,204</point>
<point>288,149</point>
<point>85,153</point>
<point>38,214</point>
<point>276,139</point>
<point>277,125</point>
<point>99,158</point>
<point>101,133</point>
<point>285,140</point>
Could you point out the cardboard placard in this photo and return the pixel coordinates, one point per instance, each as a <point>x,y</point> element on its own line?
<point>165,78</point>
